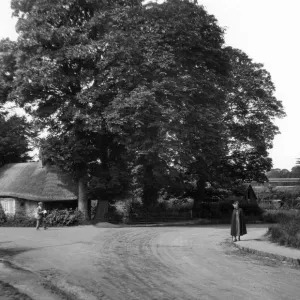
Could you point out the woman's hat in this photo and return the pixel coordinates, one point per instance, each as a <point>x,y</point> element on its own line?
<point>40,203</point>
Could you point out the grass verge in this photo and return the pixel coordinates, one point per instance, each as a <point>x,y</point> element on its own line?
<point>287,231</point>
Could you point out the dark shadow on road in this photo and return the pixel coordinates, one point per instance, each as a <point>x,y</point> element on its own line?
<point>247,240</point>
<point>58,245</point>
<point>11,252</point>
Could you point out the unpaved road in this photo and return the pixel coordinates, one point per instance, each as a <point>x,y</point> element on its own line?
<point>147,263</point>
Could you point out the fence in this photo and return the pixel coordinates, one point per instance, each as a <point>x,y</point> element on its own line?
<point>205,210</point>
<point>153,217</point>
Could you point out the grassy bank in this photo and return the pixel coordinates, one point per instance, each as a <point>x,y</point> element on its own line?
<point>287,230</point>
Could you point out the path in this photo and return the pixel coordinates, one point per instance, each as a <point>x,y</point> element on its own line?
<point>163,263</point>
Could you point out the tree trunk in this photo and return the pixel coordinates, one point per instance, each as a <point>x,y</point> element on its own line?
<point>150,191</point>
<point>101,210</point>
<point>82,198</point>
<point>199,193</point>
<point>89,209</point>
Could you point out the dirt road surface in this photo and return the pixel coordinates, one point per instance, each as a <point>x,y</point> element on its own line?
<point>140,263</point>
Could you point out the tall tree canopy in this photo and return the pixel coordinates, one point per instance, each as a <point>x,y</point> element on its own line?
<point>15,139</point>
<point>16,133</point>
<point>284,173</point>
<point>141,95</point>
<point>249,119</point>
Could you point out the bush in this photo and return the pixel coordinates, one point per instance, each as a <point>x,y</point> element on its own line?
<point>65,217</point>
<point>3,218</point>
<point>275,215</point>
<point>177,204</point>
<point>19,220</point>
<point>287,231</point>
<point>223,209</point>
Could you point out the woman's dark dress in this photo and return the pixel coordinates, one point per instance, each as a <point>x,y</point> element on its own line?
<point>238,225</point>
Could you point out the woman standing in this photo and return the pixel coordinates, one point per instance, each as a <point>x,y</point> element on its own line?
<point>238,225</point>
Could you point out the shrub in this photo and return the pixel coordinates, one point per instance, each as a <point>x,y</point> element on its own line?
<point>177,204</point>
<point>18,220</point>
<point>275,215</point>
<point>287,231</point>
<point>65,217</point>
<point>224,209</point>
<point>3,218</point>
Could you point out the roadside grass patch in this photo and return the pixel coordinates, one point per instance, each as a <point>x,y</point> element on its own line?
<point>287,231</point>
<point>278,215</point>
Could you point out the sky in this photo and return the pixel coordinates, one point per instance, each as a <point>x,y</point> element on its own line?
<point>268,31</point>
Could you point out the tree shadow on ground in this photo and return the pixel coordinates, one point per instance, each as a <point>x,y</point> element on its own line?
<point>11,252</point>
<point>247,240</point>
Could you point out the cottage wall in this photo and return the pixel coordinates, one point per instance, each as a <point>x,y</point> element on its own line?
<point>15,206</point>
<point>30,207</point>
<point>25,207</point>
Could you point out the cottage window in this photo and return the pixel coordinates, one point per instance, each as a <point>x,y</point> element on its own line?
<point>8,206</point>
<point>5,206</point>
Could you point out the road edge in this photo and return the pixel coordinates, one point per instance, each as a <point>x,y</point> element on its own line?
<point>282,258</point>
<point>45,283</point>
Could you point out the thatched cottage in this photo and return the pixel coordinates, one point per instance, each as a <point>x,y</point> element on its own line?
<point>23,185</point>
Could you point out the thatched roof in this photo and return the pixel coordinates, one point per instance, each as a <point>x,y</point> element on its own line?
<point>31,181</point>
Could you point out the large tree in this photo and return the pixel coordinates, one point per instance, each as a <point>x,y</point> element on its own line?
<point>249,119</point>
<point>102,75</point>
<point>140,92</point>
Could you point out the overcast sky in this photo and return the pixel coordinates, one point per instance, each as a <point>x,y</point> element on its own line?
<point>268,31</point>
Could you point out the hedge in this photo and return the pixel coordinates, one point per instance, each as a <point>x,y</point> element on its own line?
<point>287,231</point>
<point>65,217</point>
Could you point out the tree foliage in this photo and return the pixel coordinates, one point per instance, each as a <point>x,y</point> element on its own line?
<point>284,173</point>
<point>15,139</point>
<point>249,119</point>
<point>141,97</point>
<point>16,133</point>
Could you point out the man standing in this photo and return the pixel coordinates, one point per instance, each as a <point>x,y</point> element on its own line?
<point>40,216</point>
